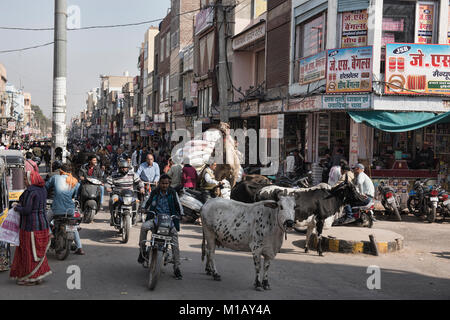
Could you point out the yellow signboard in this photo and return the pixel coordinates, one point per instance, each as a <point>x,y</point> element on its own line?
<point>15,195</point>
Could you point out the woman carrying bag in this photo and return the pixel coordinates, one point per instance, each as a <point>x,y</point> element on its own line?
<point>30,263</point>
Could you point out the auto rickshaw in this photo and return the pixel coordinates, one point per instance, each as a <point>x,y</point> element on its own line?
<point>5,249</point>
<point>15,171</point>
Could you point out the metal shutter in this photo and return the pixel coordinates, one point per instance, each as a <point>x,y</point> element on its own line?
<point>309,9</point>
<point>352,5</point>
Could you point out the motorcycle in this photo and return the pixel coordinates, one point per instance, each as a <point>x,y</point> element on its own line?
<point>363,216</point>
<point>90,198</point>
<point>63,229</point>
<point>124,210</point>
<point>192,202</point>
<point>389,201</point>
<point>443,208</point>
<point>303,181</point>
<point>143,200</point>
<point>423,200</point>
<point>157,253</point>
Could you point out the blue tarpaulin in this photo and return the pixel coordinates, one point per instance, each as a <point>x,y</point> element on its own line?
<point>398,121</point>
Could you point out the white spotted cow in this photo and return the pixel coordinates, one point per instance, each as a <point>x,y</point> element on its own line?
<point>251,227</point>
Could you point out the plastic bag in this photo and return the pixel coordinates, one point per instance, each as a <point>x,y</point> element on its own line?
<point>10,228</point>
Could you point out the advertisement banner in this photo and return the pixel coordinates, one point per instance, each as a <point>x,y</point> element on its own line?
<point>417,68</point>
<point>349,70</point>
<point>204,20</point>
<point>335,102</point>
<point>312,68</point>
<point>11,126</point>
<point>354,29</point>
<point>425,23</point>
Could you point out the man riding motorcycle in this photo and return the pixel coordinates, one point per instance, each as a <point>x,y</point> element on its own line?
<point>92,170</point>
<point>121,180</point>
<point>365,186</point>
<point>163,200</point>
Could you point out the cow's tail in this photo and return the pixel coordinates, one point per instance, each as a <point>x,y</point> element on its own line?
<point>203,246</point>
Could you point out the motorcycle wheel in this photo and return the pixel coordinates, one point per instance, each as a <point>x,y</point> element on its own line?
<point>431,214</point>
<point>89,215</point>
<point>397,214</point>
<point>126,228</point>
<point>155,268</point>
<point>412,208</point>
<point>62,248</point>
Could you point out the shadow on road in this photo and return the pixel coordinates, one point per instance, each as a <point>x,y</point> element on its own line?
<point>445,255</point>
<point>113,273</point>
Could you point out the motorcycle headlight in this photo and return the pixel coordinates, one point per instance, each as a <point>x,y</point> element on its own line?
<point>163,231</point>
<point>115,198</point>
<point>127,201</point>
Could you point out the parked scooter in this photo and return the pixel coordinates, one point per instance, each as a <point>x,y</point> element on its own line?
<point>389,201</point>
<point>157,251</point>
<point>63,229</point>
<point>90,198</point>
<point>124,209</point>
<point>423,200</point>
<point>192,202</point>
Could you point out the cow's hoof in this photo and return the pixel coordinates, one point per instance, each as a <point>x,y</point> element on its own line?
<point>216,277</point>
<point>306,250</point>
<point>321,254</point>
<point>266,285</point>
<point>208,272</point>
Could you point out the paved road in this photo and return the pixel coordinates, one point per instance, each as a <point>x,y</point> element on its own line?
<point>109,269</point>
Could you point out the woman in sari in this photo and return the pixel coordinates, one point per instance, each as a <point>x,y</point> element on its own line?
<point>30,263</point>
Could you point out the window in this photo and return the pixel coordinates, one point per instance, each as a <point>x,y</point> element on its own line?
<point>310,36</point>
<point>398,21</point>
<point>162,48</point>
<point>205,101</point>
<point>161,89</point>
<point>167,45</point>
<point>258,8</point>
<point>166,92</point>
<point>260,67</point>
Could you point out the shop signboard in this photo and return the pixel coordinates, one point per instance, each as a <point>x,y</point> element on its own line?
<point>354,29</point>
<point>234,111</point>
<point>159,118</point>
<point>417,69</point>
<point>249,109</point>
<point>346,101</point>
<point>271,107</point>
<point>425,21</point>
<point>249,36</point>
<point>349,70</point>
<point>312,103</point>
<point>312,68</point>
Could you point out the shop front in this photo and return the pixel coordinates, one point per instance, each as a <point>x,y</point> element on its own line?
<point>407,146</point>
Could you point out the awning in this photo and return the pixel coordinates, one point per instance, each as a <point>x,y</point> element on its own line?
<point>398,121</point>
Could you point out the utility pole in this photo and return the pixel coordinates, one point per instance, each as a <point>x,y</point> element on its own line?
<point>59,79</point>
<point>223,84</point>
